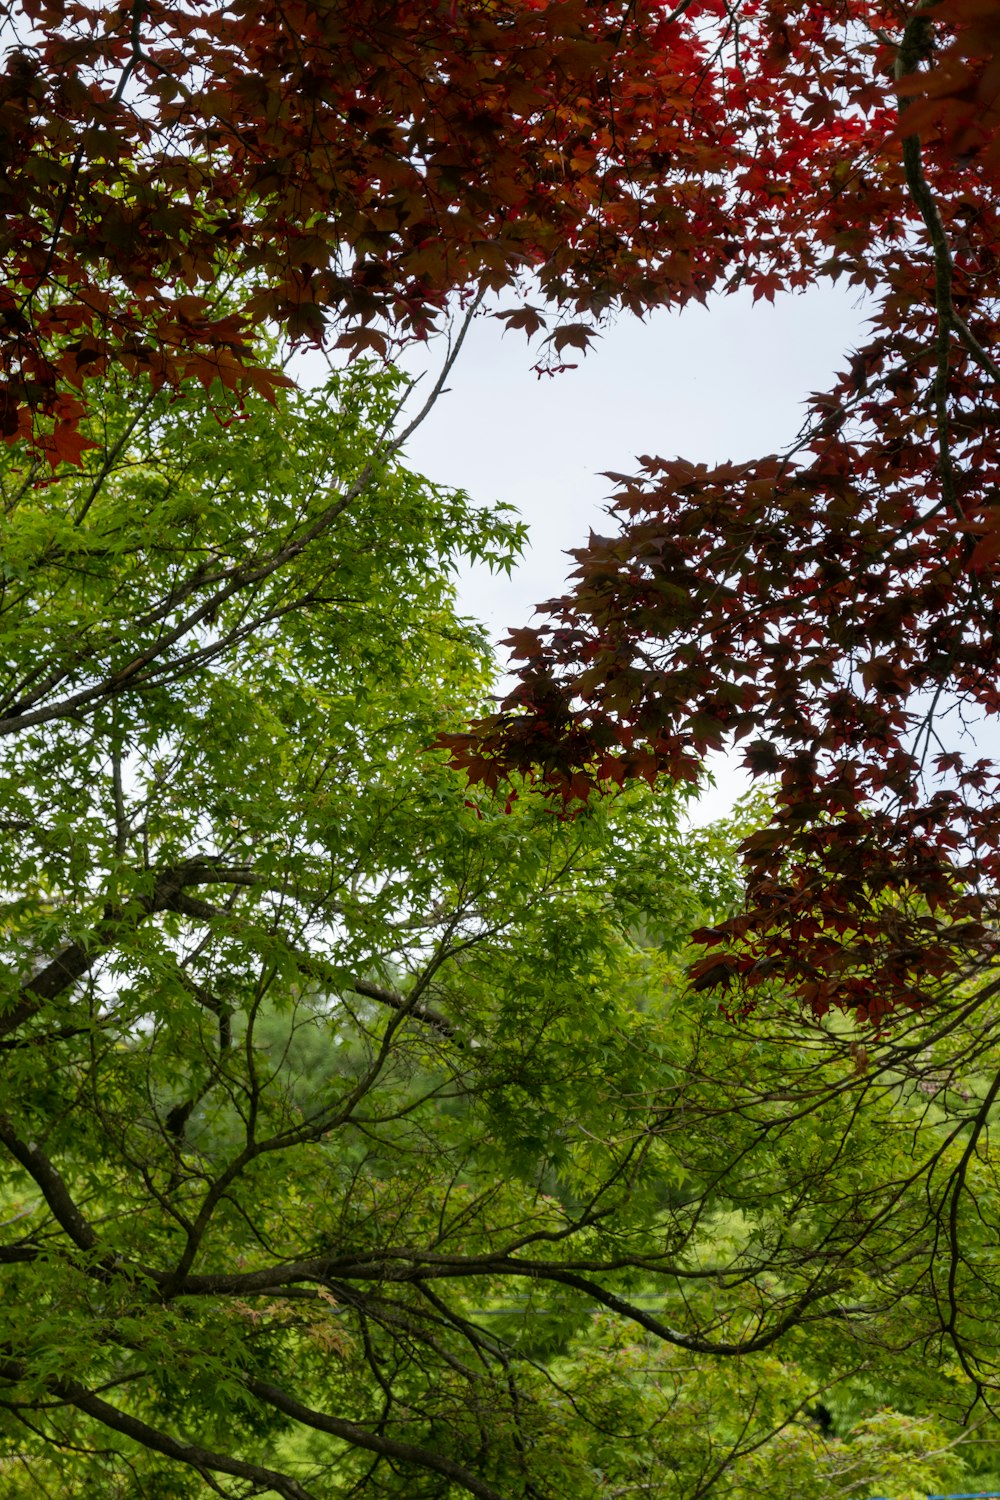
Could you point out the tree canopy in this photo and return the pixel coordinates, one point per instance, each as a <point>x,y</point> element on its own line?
<point>360,1132</point>
<point>175,176</point>
<point>351,168</point>
<point>370,1121</point>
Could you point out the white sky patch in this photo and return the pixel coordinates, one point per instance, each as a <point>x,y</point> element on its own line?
<point>710,384</point>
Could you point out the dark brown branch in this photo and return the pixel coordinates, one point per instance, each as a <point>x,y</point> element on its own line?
<point>77,959</point>
<point>170,893</point>
<point>416,1267</point>
<point>395,1001</point>
<point>957,1184</point>
<point>13,1255</point>
<point>203,1460</point>
<point>53,1188</point>
<point>360,1437</point>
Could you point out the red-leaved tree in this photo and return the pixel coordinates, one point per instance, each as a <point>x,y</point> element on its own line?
<point>173,176</point>
<point>833,609</point>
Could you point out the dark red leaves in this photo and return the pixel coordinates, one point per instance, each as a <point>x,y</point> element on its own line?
<point>839,614</point>
<point>957,102</point>
<point>348,168</point>
<point>838,611</point>
<point>351,167</point>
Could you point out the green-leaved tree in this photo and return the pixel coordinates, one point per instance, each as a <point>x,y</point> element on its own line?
<point>358,1136</point>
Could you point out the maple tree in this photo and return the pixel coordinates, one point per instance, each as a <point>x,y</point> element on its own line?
<point>343,169</point>
<point>832,609</point>
<point>358,1132</point>
<point>175,175</point>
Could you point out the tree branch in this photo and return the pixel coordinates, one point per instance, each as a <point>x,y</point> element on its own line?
<point>911,50</point>
<point>398,1002</point>
<point>203,1460</point>
<point>76,959</point>
<point>360,1437</point>
<point>53,1188</point>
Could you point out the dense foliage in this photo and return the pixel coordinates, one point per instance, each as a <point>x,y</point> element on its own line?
<point>352,165</point>
<point>362,1132</point>
<point>174,175</point>
<point>359,1133</point>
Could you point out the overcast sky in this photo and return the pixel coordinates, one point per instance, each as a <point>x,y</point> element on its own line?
<point>716,383</point>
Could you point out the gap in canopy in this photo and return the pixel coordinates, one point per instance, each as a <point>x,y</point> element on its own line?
<point>726,381</point>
